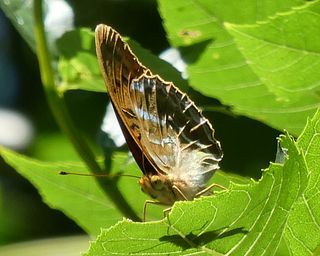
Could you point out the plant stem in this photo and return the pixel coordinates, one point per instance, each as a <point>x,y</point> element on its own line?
<point>59,109</point>
<point>56,103</point>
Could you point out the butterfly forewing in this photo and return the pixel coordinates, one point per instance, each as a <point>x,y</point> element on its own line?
<point>165,131</point>
<point>119,67</point>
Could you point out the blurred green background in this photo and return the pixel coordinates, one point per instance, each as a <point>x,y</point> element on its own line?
<point>248,145</point>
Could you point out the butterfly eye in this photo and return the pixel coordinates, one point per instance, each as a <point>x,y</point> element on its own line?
<point>153,196</point>
<point>156,182</point>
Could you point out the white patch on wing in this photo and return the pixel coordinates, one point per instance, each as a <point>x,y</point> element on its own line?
<point>148,116</point>
<point>163,141</point>
<point>136,87</point>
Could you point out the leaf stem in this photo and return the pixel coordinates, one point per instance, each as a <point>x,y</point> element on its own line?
<point>59,109</point>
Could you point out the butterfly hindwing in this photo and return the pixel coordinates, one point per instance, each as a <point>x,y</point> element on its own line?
<point>172,127</point>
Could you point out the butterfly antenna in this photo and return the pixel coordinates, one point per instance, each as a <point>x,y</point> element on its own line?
<point>99,175</point>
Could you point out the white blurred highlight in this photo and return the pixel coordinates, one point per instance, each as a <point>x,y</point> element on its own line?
<point>111,127</point>
<point>16,131</point>
<point>173,56</point>
<point>59,18</point>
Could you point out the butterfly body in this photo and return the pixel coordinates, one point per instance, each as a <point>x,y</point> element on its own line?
<point>167,190</point>
<point>170,139</point>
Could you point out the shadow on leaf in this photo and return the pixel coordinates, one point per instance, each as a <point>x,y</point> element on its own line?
<point>192,53</point>
<point>192,240</point>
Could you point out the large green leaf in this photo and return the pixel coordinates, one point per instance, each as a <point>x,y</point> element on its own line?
<point>78,65</point>
<point>268,73</point>
<point>278,215</point>
<point>303,228</point>
<point>82,198</point>
<point>20,13</point>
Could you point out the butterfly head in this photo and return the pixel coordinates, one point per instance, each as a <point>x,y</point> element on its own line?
<point>159,188</point>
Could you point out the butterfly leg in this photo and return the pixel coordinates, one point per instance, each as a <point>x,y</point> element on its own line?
<point>166,212</point>
<point>145,207</point>
<point>202,192</point>
<point>180,192</point>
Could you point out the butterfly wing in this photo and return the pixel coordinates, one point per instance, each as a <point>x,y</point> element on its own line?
<point>119,67</point>
<point>162,126</point>
<point>175,135</point>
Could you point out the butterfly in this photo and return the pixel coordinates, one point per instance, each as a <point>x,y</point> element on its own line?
<point>170,139</point>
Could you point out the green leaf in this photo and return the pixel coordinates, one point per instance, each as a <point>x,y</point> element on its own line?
<point>303,229</point>
<point>278,215</point>
<point>268,73</point>
<point>283,53</point>
<point>78,66</point>
<point>80,198</point>
<point>79,69</point>
<point>20,13</point>
<point>53,146</point>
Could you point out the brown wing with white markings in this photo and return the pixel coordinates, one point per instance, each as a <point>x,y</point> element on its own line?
<point>162,126</point>
<point>119,67</point>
